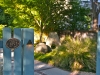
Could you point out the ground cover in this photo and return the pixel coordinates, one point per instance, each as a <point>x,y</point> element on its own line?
<point>72,55</point>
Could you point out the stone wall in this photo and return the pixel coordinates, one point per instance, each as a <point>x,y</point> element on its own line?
<point>78,35</point>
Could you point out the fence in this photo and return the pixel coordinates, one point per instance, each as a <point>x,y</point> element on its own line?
<point>20,43</point>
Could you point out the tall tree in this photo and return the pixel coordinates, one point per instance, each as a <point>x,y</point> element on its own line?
<point>30,13</point>
<point>95,14</point>
<point>45,15</point>
<point>75,17</point>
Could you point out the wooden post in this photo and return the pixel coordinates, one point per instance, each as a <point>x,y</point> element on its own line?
<point>6,52</point>
<point>95,14</point>
<point>18,52</point>
<point>23,52</point>
<point>28,58</point>
<point>98,55</point>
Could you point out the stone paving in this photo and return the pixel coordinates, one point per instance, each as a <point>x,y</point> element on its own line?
<point>44,69</point>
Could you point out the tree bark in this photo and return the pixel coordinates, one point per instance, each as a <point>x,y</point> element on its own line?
<point>95,15</point>
<point>41,31</point>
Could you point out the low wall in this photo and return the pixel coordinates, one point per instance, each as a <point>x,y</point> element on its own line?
<point>78,34</point>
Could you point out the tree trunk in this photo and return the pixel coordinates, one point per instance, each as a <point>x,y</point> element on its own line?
<point>41,32</point>
<point>95,15</point>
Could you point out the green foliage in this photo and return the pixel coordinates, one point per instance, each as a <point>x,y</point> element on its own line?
<point>77,55</point>
<point>1,28</point>
<point>48,14</point>
<point>17,12</point>
<point>72,55</point>
<point>44,15</point>
<point>42,57</point>
<point>76,17</point>
<point>6,18</point>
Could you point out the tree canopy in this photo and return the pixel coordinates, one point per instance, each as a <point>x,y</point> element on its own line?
<point>44,15</point>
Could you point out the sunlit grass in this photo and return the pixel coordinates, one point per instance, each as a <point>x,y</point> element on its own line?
<point>1,28</point>
<point>72,55</point>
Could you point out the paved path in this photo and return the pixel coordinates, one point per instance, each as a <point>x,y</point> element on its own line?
<point>44,69</point>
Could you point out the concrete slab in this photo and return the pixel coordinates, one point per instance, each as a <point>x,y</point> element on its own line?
<point>35,73</point>
<point>87,73</point>
<point>55,71</point>
<point>41,66</point>
<point>45,69</point>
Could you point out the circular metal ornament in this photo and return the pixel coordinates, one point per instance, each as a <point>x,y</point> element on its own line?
<point>12,43</point>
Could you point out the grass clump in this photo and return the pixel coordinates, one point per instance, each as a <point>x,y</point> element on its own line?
<point>72,55</point>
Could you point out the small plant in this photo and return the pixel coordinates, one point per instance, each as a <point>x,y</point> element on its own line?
<point>76,55</point>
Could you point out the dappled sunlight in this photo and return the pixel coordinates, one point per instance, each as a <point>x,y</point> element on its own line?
<point>53,16</point>
<point>74,73</point>
<point>1,28</point>
<point>95,24</point>
<point>37,37</point>
<point>76,65</point>
<point>72,55</point>
<point>19,6</point>
<point>80,54</point>
<point>40,66</point>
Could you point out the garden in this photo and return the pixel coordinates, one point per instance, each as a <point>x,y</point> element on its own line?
<point>45,16</point>
<point>72,55</point>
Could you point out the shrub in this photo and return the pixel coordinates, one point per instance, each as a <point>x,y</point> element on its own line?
<point>76,55</point>
<point>72,55</point>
